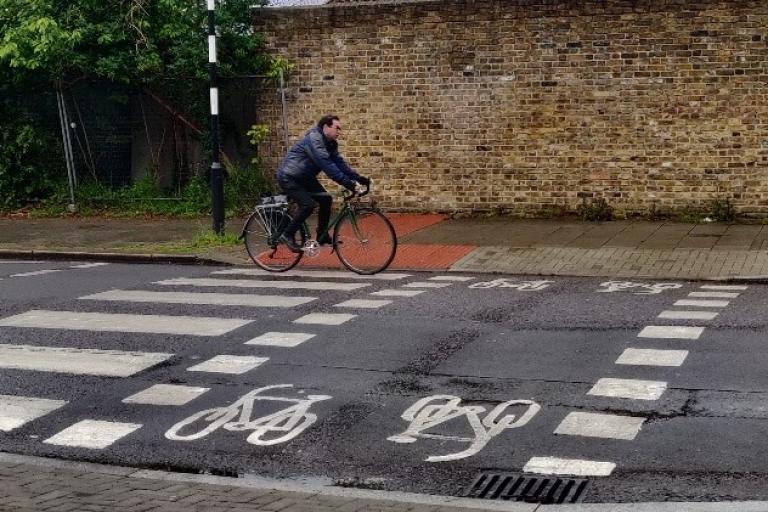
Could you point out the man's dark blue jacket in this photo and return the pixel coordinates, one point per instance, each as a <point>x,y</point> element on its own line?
<point>315,153</point>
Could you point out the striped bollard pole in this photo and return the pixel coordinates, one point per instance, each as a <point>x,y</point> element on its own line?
<point>217,179</point>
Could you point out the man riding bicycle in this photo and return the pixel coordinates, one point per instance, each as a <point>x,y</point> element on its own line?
<point>297,174</point>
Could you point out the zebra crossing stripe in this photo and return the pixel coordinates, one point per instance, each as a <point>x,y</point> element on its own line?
<point>281,339</point>
<point>688,315</point>
<point>629,388</point>
<point>93,434</point>
<point>16,411</point>
<point>247,283</point>
<point>426,284</point>
<point>458,279</point>
<point>35,273</point>
<point>235,365</point>
<point>89,265</point>
<point>397,293</point>
<point>77,361</point>
<point>572,467</point>
<point>216,299</point>
<point>724,287</point>
<point>702,303</point>
<point>363,303</point>
<point>165,394</point>
<point>325,318</point>
<point>671,332</point>
<point>713,295</point>
<point>605,426</point>
<point>320,274</point>
<point>652,357</point>
<point>115,322</point>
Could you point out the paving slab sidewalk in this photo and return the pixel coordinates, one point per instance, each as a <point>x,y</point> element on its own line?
<point>619,249</point>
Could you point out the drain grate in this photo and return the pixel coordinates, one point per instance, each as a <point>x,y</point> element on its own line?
<point>531,489</point>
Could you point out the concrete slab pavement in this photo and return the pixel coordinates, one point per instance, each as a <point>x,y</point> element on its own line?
<point>617,249</point>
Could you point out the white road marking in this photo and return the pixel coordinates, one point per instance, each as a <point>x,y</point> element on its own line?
<point>78,361</point>
<point>35,273</point>
<point>688,315</point>
<point>652,357</point>
<point>325,318</point>
<point>235,365</point>
<point>426,284</point>
<point>702,303</point>
<point>23,262</point>
<point>250,283</point>
<point>724,287</point>
<point>629,388</point>
<point>93,434</point>
<point>574,467</point>
<point>458,279</point>
<point>16,411</point>
<point>605,426</point>
<point>89,265</point>
<point>713,295</point>
<point>218,299</point>
<point>363,303</point>
<point>281,339</point>
<point>320,274</point>
<point>397,293</point>
<point>115,322</point>
<point>166,394</point>
<point>671,332</point>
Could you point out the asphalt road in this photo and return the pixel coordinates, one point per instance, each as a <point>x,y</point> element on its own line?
<point>420,393</point>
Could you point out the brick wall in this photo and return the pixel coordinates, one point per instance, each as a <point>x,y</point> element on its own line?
<point>526,106</point>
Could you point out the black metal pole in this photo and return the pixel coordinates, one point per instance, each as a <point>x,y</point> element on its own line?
<point>217,179</point>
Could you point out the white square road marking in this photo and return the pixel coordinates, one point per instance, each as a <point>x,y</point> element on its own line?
<point>15,411</point>
<point>426,284</point>
<point>671,332</point>
<point>397,293</point>
<point>713,295</point>
<point>605,426</point>
<point>325,318</point>
<point>702,303</point>
<point>363,303</point>
<point>281,339</point>
<point>235,365</point>
<point>89,265</point>
<point>651,357</point>
<point>252,283</point>
<point>688,315</point>
<point>724,287</point>
<point>166,394</point>
<point>93,434</point>
<point>458,279</point>
<point>572,467</point>
<point>629,388</point>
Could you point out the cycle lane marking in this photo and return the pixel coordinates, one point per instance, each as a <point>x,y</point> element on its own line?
<point>281,339</point>
<point>678,332</point>
<point>652,357</point>
<point>93,434</point>
<point>166,394</point>
<point>397,293</point>
<point>363,303</point>
<point>672,314</point>
<point>16,411</point>
<point>324,318</point>
<point>229,364</point>
<point>628,388</point>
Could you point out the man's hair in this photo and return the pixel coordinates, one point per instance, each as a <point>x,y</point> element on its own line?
<point>327,120</point>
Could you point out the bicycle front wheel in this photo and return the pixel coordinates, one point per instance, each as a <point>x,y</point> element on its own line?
<point>365,241</point>
<point>261,232</point>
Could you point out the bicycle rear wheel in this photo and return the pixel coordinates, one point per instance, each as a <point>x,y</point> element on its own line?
<point>261,232</point>
<point>365,241</point>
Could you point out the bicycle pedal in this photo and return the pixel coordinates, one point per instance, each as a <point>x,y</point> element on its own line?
<point>311,248</point>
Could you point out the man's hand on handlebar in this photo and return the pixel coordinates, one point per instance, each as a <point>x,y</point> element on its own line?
<point>360,189</point>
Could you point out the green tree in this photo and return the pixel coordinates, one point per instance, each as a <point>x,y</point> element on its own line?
<point>158,44</point>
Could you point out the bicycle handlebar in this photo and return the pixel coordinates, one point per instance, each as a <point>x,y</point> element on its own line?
<point>352,193</point>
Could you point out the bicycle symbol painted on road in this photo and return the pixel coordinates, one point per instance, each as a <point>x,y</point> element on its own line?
<point>434,410</point>
<point>645,288</point>
<point>275,428</point>
<point>523,286</point>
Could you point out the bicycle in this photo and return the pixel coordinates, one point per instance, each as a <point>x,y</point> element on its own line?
<point>363,238</point>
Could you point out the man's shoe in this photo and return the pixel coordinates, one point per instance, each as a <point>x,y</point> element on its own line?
<point>324,240</point>
<point>290,244</point>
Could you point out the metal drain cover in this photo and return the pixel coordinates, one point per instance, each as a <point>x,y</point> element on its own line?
<point>527,488</point>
